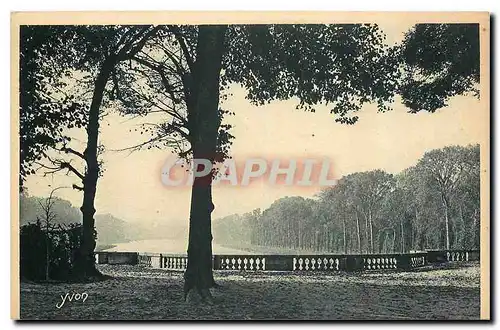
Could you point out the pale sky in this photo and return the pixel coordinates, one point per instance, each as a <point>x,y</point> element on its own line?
<point>131,188</point>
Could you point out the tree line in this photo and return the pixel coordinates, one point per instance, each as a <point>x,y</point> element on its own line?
<point>432,205</point>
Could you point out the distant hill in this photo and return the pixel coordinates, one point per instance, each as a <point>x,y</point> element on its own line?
<point>110,229</point>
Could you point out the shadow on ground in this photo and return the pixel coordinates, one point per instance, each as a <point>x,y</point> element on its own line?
<point>136,293</point>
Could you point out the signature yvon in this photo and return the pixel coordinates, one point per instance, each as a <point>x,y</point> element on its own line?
<point>72,297</point>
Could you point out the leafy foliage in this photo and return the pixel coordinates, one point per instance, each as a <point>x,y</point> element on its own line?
<point>45,108</point>
<point>58,66</point>
<point>439,61</point>
<point>343,65</point>
<point>62,246</point>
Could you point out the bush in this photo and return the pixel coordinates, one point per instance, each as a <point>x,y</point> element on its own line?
<point>61,244</point>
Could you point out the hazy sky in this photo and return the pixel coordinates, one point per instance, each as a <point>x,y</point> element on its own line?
<point>131,187</point>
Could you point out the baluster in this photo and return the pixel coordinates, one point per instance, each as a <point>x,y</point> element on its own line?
<point>307,263</point>
<point>294,267</point>
<point>221,264</point>
<point>331,263</point>
<point>313,263</point>
<point>257,264</point>
<point>263,263</point>
<point>300,263</point>
<point>319,263</point>
<point>466,256</point>
<point>239,263</point>
<point>251,263</point>
<point>245,262</point>
<point>233,263</point>
<point>337,263</point>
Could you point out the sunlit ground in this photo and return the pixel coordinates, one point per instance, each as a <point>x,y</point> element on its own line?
<point>137,293</point>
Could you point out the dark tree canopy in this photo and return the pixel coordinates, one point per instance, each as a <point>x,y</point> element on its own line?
<point>342,65</point>
<point>439,61</point>
<point>50,55</point>
<point>44,113</point>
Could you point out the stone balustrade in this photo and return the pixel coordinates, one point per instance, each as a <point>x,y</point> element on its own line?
<point>295,263</point>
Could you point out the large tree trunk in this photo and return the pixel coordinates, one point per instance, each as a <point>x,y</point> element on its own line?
<point>204,122</point>
<point>85,262</point>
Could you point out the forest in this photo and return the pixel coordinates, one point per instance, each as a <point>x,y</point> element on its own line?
<point>434,204</point>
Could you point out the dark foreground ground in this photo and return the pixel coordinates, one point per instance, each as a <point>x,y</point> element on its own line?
<point>137,293</point>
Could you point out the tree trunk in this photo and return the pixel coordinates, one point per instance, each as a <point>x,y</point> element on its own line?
<point>371,230</point>
<point>476,238</point>
<point>416,241</point>
<point>367,237</point>
<point>393,240</point>
<point>47,255</point>
<point>446,221</point>
<point>402,237</point>
<point>85,262</point>
<point>345,236</point>
<point>204,122</point>
<point>359,235</point>
<point>461,239</point>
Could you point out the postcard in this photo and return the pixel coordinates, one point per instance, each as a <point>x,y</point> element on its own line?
<point>250,166</point>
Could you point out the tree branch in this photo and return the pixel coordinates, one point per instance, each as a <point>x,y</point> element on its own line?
<point>72,151</point>
<point>180,39</point>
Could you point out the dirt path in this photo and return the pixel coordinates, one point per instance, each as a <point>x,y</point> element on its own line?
<point>138,293</point>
